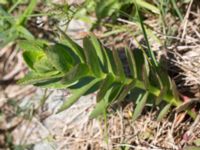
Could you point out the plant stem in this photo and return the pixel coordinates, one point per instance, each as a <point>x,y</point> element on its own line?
<point>156,91</point>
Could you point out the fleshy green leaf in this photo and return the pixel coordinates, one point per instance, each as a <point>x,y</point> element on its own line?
<point>106,84</point>
<point>91,57</point>
<point>31,57</point>
<point>116,90</point>
<point>139,61</point>
<point>140,105</point>
<point>98,48</point>
<point>111,66</point>
<point>53,84</point>
<point>31,45</point>
<point>163,78</point>
<point>118,64</point>
<point>76,73</point>
<point>101,106</point>
<point>126,90</point>
<point>99,109</point>
<point>74,46</point>
<point>108,60</point>
<point>59,57</point>
<point>163,112</point>
<point>111,94</point>
<point>160,96</point>
<point>174,90</point>
<point>33,78</point>
<point>43,66</point>
<point>145,74</point>
<point>131,63</point>
<point>76,94</point>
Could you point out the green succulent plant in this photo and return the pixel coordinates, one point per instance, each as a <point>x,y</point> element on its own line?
<point>66,65</point>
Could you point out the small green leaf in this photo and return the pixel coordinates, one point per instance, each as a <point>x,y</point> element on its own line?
<point>131,63</point>
<point>140,105</point>
<point>76,94</point>
<point>108,60</point>
<point>99,109</point>
<point>31,45</point>
<point>163,78</point>
<point>31,57</point>
<point>139,61</point>
<point>102,54</point>
<point>163,112</point>
<point>106,84</point>
<point>33,78</point>
<point>54,84</point>
<point>60,58</point>
<point>43,66</point>
<point>186,105</point>
<point>102,105</point>
<point>126,90</point>
<point>96,45</point>
<point>76,73</point>
<point>91,57</point>
<point>145,74</point>
<point>7,37</point>
<point>160,96</point>
<point>74,46</point>
<point>174,90</point>
<point>111,66</point>
<point>118,64</point>
<point>109,97</point>
<point>116,90</point>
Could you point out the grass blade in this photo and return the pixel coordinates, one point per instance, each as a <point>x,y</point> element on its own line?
<point>148,6</point>
<point>150,52</point>
<point>22,19</point>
